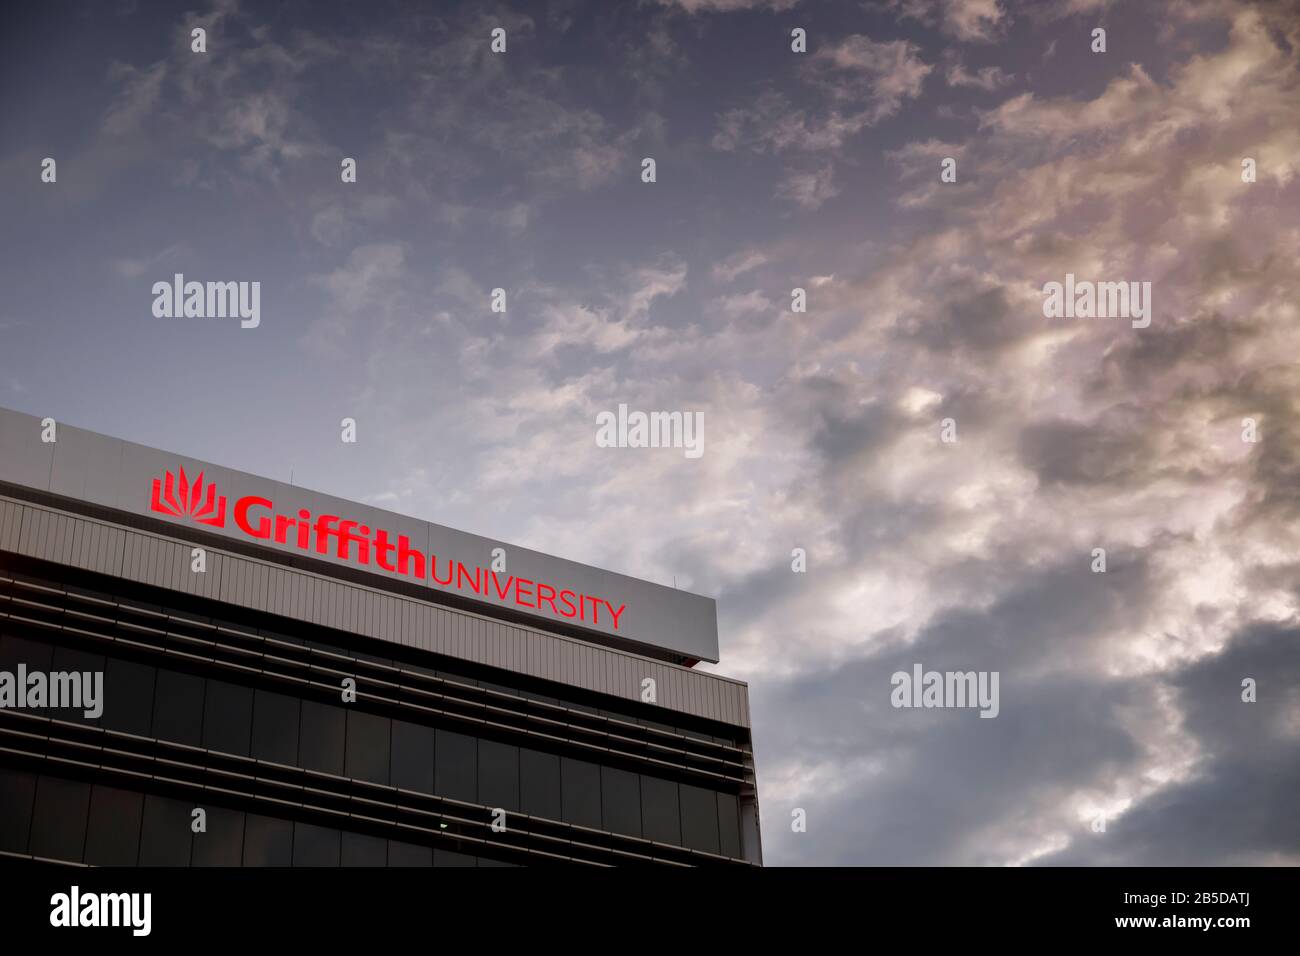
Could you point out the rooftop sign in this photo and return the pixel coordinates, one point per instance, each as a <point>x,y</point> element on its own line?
<point>145,481</point>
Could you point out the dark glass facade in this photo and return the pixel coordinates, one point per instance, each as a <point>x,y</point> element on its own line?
<point>243,716</point>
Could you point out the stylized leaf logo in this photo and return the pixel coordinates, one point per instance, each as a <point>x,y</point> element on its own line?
<point>183,499</point>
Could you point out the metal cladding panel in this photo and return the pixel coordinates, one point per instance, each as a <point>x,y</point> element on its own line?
<point>132,557</point>
<point>164,566</point>
<point>90,547</point>
<point>43,536</point>
<point>58,542</point>
<point>365,611</point>
<point>118,474</point>
<point>91,556</point>
<point>11,520</point>
<point>151,559</point>
<point>204,584</point>
<point>30,531</point>
<point>426,617</point>
<point>111,555</point>
<point>22,530</point>
<point>283,595</point>
<point>232,583</point>
<point>24,458</point>
<point>76,465</point>
<point>81,542</point>
<point>46,543</point>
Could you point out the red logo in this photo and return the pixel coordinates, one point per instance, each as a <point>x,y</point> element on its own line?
<point>188,500</point>
<point>351,540</point>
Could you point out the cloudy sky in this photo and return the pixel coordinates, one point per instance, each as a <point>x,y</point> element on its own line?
<point>1120,691</point>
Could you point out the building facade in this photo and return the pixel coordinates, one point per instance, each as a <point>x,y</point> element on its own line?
<point>203,667</point>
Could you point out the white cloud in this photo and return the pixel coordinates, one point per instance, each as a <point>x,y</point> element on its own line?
<point>809,189</point>
<point>134,268</point>
<point>738,264</point>
<point>987,78</point>
<point>735,306</point>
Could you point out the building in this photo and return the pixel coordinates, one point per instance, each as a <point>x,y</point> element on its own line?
<point>330,683</point>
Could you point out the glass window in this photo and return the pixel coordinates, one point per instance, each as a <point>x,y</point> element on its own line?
<point>275,635</point>
<point>165,834</point>
<point>127,601</point>
<point>113,833</point>
<point>223,843</point>
<point>185,614</point>
<point>412,757</point>
<point>620,792</point>
<point>360,655</point>
<point>531,695</point>
<point>359,849</point>
<point>19,650</point>
<point>409,854</point>
<point>315,846</point>
<point>539,783</point>
<point>178,707</point>
<point>728,824</point>
<point>485,861</point>
<point>580,784</point>
<point>367,747</point>
<point>498,775</point>
<point>451,858</point>
<point>456,774</point>
<point>17,790</point>
<point>458,678</point>
<point>72,660</point>
<point>320,737</point>
<point>227,718</point>
<point>267,841</point>
<point>699,818</point>
<point>128,697</point>
<point>88,592</point>
<point>275,727</point>
<point>659,814</point>
<point>59,819</point>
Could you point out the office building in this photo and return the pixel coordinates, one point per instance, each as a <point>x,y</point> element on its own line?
<point>291,679</point>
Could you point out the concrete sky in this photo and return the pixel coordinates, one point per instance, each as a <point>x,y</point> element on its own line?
<point>1120,692</point>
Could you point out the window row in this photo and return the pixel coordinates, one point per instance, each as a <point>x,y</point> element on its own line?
<point>104,826</point>
<point>230,718</point>
<point>725,738</point>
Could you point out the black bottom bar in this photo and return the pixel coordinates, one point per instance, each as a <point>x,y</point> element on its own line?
<point>1223,907</point>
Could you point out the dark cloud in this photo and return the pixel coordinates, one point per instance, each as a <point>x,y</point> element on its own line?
<point>1115,450</point>
<point>1238,807</point>
<point>971,318</point>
